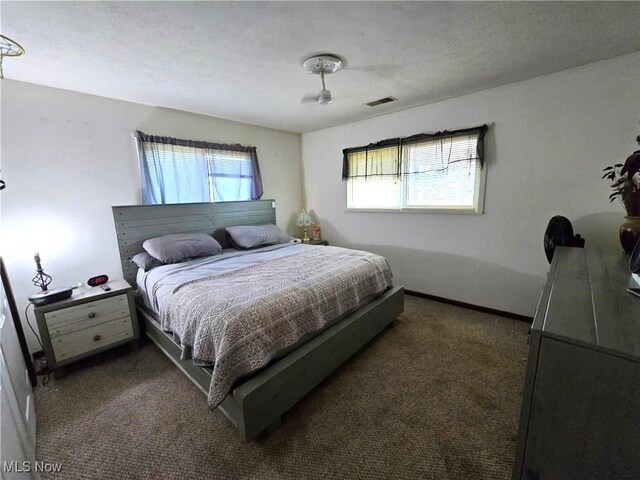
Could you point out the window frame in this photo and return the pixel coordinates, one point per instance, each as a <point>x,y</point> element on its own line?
<point>477,209</point>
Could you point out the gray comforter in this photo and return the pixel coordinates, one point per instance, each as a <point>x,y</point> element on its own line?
<point>239,320</point>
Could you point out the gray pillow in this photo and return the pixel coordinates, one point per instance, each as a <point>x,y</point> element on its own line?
<point>145,261</point>
<point>177,247</point>
<point>258,235</point>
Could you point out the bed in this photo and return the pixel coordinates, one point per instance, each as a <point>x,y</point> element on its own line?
<point>253,402</point>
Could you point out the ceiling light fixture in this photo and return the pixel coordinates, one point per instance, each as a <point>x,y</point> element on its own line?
<point>321,65</point>
<point>9,48</point>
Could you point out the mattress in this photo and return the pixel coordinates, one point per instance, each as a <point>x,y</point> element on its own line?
<point>156,286</point>
<point>239,310</point>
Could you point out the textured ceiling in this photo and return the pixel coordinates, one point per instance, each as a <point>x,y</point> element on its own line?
<point>242,60</point>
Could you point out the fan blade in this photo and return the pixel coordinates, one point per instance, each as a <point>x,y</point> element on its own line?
<point>311,98</point>
<point>384,71</point>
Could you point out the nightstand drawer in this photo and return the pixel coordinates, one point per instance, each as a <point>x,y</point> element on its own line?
<point>65,328</point>
<point>88,339</point>
<point>66,317</point>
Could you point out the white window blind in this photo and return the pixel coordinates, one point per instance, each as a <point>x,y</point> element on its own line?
<point>442,173</point>
<point>230,175</point>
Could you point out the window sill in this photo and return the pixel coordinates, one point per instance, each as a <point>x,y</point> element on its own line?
<point>467,211</point>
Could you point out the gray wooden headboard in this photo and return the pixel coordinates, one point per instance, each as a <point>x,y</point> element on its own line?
<point>136,223</point>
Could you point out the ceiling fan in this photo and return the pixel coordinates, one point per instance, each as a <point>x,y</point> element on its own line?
<point>321,65</point>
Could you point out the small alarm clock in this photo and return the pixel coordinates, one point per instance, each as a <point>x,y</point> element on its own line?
<point>97,280</point>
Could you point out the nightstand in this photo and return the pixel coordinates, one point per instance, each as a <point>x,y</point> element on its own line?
<point>318,242</point>
<point>89,322</point>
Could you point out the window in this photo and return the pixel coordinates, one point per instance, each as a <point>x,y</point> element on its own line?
<point>439,172</point>
<point>184,171</point>
<point>373,181</point>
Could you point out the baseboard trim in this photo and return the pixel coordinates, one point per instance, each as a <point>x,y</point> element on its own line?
<point>470,306</point>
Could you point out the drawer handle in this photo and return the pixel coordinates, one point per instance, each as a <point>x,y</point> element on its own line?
<point>91,315</point>
<point>96,338</point>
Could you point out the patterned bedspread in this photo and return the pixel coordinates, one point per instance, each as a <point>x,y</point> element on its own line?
<point>239,320</point>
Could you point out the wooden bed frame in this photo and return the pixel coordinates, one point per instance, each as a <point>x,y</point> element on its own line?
<point>257,404</point>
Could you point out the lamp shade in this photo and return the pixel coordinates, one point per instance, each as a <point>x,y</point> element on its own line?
<point>304,219</point>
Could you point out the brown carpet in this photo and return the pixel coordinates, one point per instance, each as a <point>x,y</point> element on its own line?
<point>436,397</point>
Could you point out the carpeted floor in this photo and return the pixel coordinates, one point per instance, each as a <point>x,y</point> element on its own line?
<point>436,397</point>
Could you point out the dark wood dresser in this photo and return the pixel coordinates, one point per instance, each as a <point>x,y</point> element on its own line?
<point>580,414</point>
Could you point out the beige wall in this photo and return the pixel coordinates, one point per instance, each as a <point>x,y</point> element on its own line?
<point>68,157</point>
<point>552,136</point>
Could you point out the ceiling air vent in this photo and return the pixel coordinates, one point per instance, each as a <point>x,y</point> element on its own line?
<point>380,101</point>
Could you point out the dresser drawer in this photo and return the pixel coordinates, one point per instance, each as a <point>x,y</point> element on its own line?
<point>92,338</point>
<point>74,318</point>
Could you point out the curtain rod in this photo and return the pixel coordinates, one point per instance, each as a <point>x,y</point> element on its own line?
<point>414,137</point>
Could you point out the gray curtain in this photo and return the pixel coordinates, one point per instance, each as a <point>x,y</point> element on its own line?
<point>184,171</point>
<point>171,171</point>
<point>256,184</point>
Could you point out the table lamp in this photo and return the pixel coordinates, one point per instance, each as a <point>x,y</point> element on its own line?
<point>304,220</point>
<point>42,280</point>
